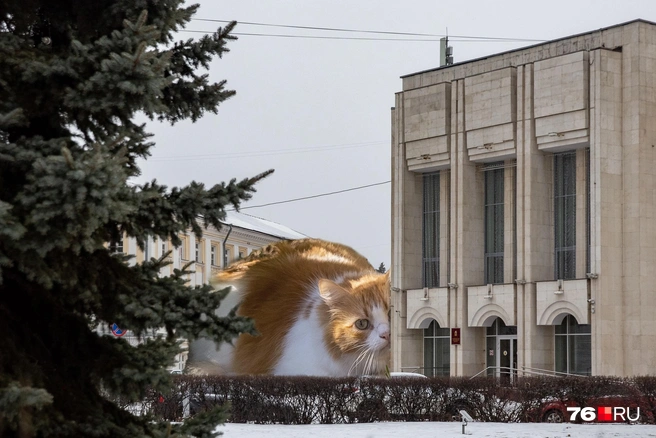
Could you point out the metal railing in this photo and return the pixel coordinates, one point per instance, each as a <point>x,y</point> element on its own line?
<point>551,372</point>
<point>427,371</point>
<point>509,371</point>
<point>500,371</point>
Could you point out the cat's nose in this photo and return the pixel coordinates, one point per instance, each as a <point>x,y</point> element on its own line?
<point>384,332</point>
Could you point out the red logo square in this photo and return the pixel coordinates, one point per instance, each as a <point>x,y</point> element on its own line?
<point>605,413</point>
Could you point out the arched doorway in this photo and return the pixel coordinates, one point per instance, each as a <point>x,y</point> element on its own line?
<point>501,351</point>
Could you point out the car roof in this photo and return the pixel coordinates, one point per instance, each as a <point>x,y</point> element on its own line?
<point>406,374</point>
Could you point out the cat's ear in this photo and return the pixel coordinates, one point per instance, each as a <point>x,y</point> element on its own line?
<point>331,292</point>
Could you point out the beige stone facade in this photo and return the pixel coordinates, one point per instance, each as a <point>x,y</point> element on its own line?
<point>584,104</point>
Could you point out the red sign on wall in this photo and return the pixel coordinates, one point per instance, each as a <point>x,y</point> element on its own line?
<point>455,336</point>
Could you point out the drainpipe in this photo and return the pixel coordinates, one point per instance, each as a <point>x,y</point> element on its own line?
<point>225,257</point>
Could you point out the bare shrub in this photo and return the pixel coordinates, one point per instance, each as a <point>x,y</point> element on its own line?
<point>305,400</point>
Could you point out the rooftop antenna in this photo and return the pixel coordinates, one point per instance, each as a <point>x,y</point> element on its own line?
<point>446,51</point>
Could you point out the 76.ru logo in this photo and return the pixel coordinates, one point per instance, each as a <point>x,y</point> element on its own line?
<point>603,414</point>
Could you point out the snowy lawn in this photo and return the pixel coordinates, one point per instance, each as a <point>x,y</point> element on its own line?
<point>430,429</point>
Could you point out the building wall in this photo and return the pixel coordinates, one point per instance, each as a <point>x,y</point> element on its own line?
<point>594,94</point>
<point>238,241</point>
<point>406,262</point>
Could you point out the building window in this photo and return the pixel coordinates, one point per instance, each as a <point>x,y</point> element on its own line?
<point>437,347</point>
<point>242,253</point>
<point>183,248</point>
<point>431,230</point>
<point>198,256</point>
<point>116,247</point>
<point>227,255</point>
<point>213,255</point>
<point>587,212</point>
<point>565,215</point>
<point>573,347</point>
<point>494,235</point>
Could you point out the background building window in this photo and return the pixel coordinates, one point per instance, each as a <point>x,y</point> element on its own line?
<point>565,215</point>
<point>573,347</point>
<point>437,347</point>
<point>147,249</point>
<point>227,255</point>
<point>213,255</point>
<point>431,230</point>
<point>494,217</point>
<point>183,248</point>
<point>116,247</point>
<point>198,255</point>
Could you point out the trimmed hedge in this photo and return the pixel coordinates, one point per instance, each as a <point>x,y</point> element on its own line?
<point>305,400</point>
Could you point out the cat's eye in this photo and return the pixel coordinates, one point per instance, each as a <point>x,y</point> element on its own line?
<point>362,324</point>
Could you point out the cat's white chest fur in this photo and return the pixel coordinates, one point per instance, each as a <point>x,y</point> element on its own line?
<point>304,351</point>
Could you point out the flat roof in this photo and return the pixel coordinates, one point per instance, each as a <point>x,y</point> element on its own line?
<point>638,20</point>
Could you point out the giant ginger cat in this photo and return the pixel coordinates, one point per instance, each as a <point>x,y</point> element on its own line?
<point>319,308</point>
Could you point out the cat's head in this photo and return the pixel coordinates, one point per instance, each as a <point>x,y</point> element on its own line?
<point>359,325</point>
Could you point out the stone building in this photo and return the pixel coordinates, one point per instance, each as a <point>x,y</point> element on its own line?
<point>523,210</point>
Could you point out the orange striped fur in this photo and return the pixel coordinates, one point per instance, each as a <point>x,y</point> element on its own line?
<point>308,299</point>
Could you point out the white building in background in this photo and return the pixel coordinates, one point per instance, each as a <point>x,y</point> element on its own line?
<point>241,234</point>
<point>524,209</point>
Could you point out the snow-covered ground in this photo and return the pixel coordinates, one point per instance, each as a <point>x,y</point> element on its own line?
<point>429,429</point>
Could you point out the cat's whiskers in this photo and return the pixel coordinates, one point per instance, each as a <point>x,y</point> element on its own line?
<point>370,362</point>
<point>361,351</point>
<point>356,362</point>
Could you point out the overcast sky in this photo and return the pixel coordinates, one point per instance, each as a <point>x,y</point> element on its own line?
<point>317,110</point>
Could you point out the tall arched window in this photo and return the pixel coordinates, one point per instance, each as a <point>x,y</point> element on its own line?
<point>437,345</point>
<point>573,347</point>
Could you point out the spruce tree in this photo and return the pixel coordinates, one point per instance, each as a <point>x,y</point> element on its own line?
<point>73,76</point>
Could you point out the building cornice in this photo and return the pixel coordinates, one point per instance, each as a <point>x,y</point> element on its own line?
<point>594,38</point>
